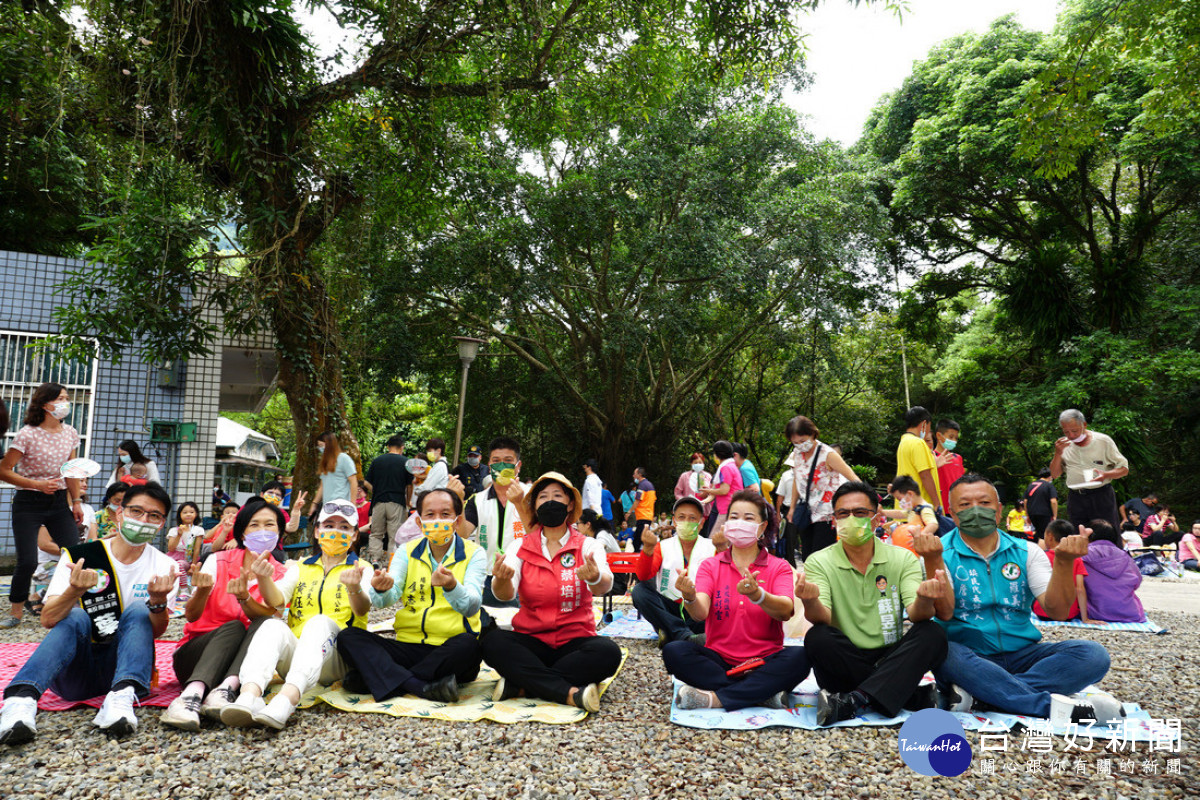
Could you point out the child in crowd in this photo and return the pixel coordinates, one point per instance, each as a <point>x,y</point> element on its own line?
<point>138,475</point>
<point>1112,578</point>
<point>1018,522</point>
<point>918,515</point>
<point>1058,529</point>
<point>48,553</point>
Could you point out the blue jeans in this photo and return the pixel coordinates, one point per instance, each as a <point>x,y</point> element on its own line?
<point>76,668</point>
<point>1022,681</point>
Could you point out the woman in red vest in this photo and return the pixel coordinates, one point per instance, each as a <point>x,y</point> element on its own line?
<point>553,651</point>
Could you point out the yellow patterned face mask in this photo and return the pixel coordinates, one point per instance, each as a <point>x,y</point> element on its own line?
<point>334,542</point>
<point>439,532</point>
<point>503,473</point>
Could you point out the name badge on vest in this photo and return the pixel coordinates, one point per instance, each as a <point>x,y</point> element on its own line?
<point>103,602</point>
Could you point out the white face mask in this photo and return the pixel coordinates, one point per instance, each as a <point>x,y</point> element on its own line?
<point>805,447</point>
<point>61,409</point>
<point>697,467</point>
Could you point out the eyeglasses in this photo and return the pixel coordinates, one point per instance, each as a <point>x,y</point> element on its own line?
<point>140,514</point>
<point>860,513</point>
<point>345,509</point>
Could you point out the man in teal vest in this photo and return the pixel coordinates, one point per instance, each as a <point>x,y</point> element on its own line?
<point>996,656</point>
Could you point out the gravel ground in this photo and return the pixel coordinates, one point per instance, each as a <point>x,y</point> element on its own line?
<point>629,749</point>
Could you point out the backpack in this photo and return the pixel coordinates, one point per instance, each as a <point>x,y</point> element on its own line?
<point>1148,564</point>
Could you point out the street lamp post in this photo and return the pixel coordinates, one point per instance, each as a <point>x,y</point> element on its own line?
<point>468,348</point>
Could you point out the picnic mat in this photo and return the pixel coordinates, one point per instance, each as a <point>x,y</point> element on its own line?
<point>475,703</point>
<point>628,625</point>
<point>1137,726</point>
<point>1140,627</point>
<point>13,656</point>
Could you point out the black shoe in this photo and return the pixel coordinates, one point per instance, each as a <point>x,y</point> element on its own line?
<point>354,684</point>
<point>443,690</point>
<point>925,696</point>
<point>836,707</point>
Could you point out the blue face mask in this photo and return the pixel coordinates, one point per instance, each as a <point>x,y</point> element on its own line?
<point>949,444</point>
<point>125,459</point>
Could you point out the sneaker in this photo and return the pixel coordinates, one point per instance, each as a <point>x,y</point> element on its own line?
<point>1100,707</point>
<point>444,690</point>
<point>116,718</point>
<point>588,698</point>
<point>925,696</point>
<point>216,700</point>
<point>276,713</point>
<point>836,707</point>
<point>240,713</point>
<point>183,713</point>
<point>779,700</point>
<point>18,720</point>
<point>957,700</point>
<point>690,698</point>
<point>10,623</point>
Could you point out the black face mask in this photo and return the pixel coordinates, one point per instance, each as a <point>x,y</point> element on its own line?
<point>552,513</point>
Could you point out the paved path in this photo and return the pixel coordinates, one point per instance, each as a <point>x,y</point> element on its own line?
<point>1181,596</point>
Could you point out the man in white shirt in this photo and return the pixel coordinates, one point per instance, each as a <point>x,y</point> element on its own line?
<point>1092,462</point>
<point>104,612</point>
<point>593,487</point>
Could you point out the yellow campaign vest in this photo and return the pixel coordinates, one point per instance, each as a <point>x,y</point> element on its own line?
<point>425,616</point>
<point>318,593</point>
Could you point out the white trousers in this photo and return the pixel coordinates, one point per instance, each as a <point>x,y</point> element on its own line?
<point>304,662</point>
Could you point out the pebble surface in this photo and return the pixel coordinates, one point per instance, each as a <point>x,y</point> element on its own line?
<point>628,750</point>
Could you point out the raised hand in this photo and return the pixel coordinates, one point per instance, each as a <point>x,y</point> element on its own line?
<point>82,579</point>
<point>516,493</point>
<point>443,578</point>
<point>352,576</point>
<point>685,587</point>
<point>1072,547</point>
<point>589,571</point>
<point>649,538</point>
<point>161,585</point>
<point>239,587</point>
<point>927,545</point>
<point>936,587</point>
<point>200,578</point>
<point>748,585</point>
<point>301,499</point>
<point>1062,444</point>
<point>455,485</point>
<point>501,571</point>
<point>382,581</point>
<point>261,568</point>
<point>804,589</point>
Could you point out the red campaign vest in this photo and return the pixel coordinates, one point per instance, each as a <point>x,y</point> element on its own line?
<point>221,606</point>
<point>556,606</point>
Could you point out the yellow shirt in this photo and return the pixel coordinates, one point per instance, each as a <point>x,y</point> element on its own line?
<point>914,456</point>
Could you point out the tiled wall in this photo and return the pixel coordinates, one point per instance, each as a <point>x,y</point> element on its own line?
<point>127,395</point>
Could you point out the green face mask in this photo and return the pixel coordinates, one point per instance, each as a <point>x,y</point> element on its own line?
<point>687,531</point>
<point>137,533</point>
<point>855,531</point>
<point>978,522</point>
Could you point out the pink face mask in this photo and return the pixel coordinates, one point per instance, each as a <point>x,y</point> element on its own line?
<point>741,532</point>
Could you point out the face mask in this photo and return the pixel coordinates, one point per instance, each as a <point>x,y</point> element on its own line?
<point>261,541</point>
<point>741,532</point>
<point>1079,439</point>
<point>687,531</point>
<point>697,467</point>
<point>978,522</point>
<point>334,542</point>
<point>137,533</point>
<point>805,446</point>
<point>61,410</point>
<point>113,508</point>
<point>949,444</point>
<point>439,532</point>
<point>855,531</point>
<point>906,504</point>
<point>503,473</point>
<point>552,513</point>
<point>473,461</point>
<point>431,455</point>
<point>273,499</point>
<point>126,459</point>
<point>321,448</point>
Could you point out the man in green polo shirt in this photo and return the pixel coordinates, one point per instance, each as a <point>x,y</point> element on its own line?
<point>854,593</point>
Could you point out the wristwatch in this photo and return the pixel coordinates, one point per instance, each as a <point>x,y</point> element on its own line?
<point>156,608</point>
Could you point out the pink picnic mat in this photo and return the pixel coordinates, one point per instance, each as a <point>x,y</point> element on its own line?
<point>13,657</point>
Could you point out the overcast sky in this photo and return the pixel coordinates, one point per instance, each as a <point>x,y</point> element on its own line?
<point>858,54</point>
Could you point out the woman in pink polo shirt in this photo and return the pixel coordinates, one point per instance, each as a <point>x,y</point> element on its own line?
<point>553,651</point>
<point>743,595</point>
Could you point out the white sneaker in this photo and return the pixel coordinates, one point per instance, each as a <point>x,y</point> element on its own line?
<point>240,714</point>
<point>276,713</point>
<point>216,700</point>
<point>1078,707</point>
<point>18,720</point>
<point>690,697</point>
<point>116,717</point>
<point>183,713</point>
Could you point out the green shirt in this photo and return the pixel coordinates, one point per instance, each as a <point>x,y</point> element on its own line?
<point>870,617</point>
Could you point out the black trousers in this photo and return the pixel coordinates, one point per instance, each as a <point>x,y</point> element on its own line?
<point>216,655</point>
<point>638,528</point>
<point>1039,525</point>
<point>550,672</point>
<point>30,511</point>
<point>665,615</point>
<point>1085,505</point>
<point>888,675</point>
<point>385,664</point>
<point>704,668</point>
<point>817,536</point>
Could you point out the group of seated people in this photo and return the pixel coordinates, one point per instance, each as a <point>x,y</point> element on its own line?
<point>109,599</point>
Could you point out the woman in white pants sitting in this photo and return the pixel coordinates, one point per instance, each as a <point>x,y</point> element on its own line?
<point>327,592</point>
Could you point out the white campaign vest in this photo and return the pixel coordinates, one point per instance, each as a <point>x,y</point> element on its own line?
<point>672,564</point>
<point>486,532</point>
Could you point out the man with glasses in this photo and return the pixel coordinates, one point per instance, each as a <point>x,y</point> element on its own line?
<point>854,593</point>
<point>107,602</point>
